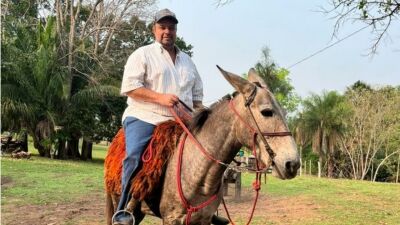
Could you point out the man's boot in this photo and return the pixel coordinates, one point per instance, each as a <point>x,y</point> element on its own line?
<point>219,220</point>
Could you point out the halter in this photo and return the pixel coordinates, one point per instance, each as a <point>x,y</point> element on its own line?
<point>258,131</point>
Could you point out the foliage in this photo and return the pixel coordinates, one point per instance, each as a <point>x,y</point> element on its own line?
<point>323,121</point>
<point>380,15</point>
<point>356,133</point>
<point>32,83</point>
<point>61,74</point>
<point>373,129</point>
<point>278,81</point>
<point>359,85</point>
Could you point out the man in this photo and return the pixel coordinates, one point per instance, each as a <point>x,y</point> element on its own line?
<point>156,77</point>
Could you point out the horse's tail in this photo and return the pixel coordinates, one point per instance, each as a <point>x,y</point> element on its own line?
<point>109,208</point>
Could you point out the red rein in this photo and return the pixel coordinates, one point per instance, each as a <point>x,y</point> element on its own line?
<point>191,209</point>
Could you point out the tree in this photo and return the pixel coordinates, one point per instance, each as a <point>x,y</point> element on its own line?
<point>300,133</point>
<point>32,83</point>
<point>373,130</point>
<point>84,45</point>
<point>323,117</point>
<point>278,81</point>
<point>359,85</point>
<point>380,15</point>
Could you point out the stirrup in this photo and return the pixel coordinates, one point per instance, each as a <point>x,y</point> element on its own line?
<point>121,212</point>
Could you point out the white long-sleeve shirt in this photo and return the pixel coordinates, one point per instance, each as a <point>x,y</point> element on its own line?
<point>152,67</point>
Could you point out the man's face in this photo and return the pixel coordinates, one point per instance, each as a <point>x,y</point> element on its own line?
<point>165,32</point>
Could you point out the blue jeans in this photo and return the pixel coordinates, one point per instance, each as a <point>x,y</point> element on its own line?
<point>137,136</point>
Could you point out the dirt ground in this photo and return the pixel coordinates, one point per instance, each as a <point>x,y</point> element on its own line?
<point>90,211</point>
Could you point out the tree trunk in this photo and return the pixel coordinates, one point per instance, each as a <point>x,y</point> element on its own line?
<point>87,147</point>
<point>324,152</point>
<point>98,25</point>
<point>301,159</point>
<point>24,141</point>
<point>331,163</point>
<point>38,146</point>
<point>61,150</point>
<point>73,148</point>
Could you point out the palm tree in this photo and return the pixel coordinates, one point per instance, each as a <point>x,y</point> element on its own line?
<point>34,89</point>
<point>32,85</point>
<point>301,136</point>
<point>323,119</point>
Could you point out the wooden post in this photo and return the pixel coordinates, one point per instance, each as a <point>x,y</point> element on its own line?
<point>265,178</point>
<point>301,167</point>
<point>238,185</point>
<point>226,186</point>
<point>310,168</point>
<point>319,169</point>
<point>301,160</point>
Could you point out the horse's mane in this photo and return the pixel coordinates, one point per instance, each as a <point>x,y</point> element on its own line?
<point>202,115</point>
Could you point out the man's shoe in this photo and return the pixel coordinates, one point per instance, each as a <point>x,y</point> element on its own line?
<point>123,217</point>
<point>219,220</point>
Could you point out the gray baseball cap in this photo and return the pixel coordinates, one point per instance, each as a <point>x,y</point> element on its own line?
<point>165,13</point>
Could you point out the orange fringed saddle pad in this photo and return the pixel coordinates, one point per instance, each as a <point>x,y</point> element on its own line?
<point>163,143</point>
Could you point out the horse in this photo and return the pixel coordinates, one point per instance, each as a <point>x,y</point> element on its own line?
<point>251,118</point>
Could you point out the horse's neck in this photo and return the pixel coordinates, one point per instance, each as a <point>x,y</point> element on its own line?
<point>218,137</point>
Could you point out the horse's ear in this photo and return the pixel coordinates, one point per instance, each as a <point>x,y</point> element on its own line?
<point>240,84</point>
<point>255,78</point>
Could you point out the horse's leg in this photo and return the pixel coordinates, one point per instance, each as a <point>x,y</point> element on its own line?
<point>138,216</point>
<point>109,208</point>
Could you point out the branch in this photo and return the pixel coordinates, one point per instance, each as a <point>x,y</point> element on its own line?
<point>380,164</point>
<point>89,18</point>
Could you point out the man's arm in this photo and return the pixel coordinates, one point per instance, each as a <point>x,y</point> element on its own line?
<point>147,95</point>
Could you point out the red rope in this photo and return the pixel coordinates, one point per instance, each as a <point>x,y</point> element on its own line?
<point>148,153</point>
<point>190,209</point>
<point>177,118</point>
<point>240,117</point>
<point>254,203</point>
<point>257,182</point>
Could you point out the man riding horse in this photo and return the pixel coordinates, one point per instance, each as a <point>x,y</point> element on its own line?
<point>156,76</point>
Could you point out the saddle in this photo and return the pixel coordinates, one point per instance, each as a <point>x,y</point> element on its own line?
<point>154,159</point>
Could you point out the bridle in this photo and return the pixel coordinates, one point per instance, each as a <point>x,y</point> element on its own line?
<point>257,131</point>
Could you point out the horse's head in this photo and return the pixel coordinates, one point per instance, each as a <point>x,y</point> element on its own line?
<point>256,106</point>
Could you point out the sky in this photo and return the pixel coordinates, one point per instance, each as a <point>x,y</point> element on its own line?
<point>233,35</point>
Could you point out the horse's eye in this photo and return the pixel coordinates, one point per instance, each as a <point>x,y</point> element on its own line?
<point>267,112</point>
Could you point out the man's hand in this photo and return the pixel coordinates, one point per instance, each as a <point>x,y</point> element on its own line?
<point>197,105</point>
<point>168,100</point>
<point>147,95</point>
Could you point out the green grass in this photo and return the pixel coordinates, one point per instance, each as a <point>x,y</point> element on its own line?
<point>42,181</point>
<point>341,201</point>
